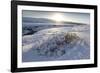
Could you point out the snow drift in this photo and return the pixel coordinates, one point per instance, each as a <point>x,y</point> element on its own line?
<point>61,43</point>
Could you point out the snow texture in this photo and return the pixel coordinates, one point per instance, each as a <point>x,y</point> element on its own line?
<point>46,43</point>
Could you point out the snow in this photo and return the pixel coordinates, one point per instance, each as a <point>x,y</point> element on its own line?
<point>49,44</point>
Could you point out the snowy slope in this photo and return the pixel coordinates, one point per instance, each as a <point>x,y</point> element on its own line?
<point>51,44</point>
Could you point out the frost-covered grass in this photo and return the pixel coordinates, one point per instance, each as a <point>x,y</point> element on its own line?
<point>61,43</point>
<point>70,37</point>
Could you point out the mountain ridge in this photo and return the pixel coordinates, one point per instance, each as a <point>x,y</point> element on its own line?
<point>45,20</point>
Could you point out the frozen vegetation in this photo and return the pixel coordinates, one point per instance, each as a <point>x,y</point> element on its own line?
<point>49,43</point>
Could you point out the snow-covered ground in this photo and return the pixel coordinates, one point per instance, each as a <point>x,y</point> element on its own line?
<point>61,43</point>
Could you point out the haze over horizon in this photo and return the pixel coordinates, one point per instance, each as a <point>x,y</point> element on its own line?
<point>58,16</point>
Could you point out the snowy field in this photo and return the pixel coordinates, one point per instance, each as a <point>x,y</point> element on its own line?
<point>43,43</point>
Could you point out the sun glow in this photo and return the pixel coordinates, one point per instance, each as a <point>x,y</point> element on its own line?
<point>57,17</point>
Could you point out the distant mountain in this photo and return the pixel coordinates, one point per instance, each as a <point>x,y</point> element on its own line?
<point>37,20</point>
<point>45,20</point>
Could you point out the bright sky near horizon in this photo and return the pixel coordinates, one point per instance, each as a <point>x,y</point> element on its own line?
<point>58,16</point>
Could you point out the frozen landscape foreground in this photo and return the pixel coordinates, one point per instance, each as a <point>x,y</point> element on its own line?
<point>61,43</point>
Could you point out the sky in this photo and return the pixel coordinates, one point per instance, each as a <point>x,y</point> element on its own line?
<point>64,16</point>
